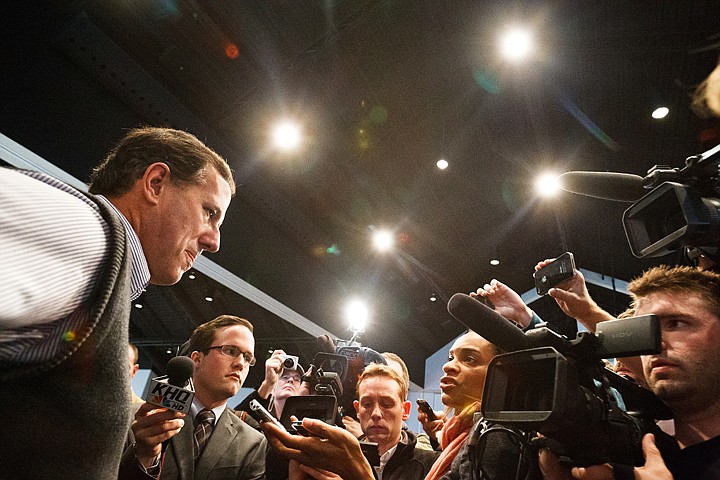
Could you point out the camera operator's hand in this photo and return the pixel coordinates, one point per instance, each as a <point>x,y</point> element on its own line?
<point>306,388</point>
<point>329,447</point>
<point>273,370</point>
<point>432,427</point>
<point>654,468</point>
<point>507,302</point>
<point>573,298</point>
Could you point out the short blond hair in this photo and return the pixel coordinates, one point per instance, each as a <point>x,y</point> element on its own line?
<point>379,370</point>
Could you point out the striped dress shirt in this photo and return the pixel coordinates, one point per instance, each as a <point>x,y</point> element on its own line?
<point>53,246</point>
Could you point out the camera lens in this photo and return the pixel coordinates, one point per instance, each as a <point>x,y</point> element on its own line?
<point>288,363</point>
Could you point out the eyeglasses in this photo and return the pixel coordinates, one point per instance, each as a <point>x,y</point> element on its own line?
<point>234,351</point>
<point>286,377</point>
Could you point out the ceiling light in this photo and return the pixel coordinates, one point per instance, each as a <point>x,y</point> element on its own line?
<point>208,299</point>
<point>516,44</point>
<point>138,305</point>
<point>442,164</point>
<point>286,136</point>
<point>383,240</point>
<point>433,298</point>
<point>660,112</point>
<point>547,185</point>
<point>494,262</point>
<point>191,276</point>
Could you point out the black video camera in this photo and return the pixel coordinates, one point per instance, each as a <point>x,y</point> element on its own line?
<point>681,210</point>
<point>560,388</point>
<point>332,375</point>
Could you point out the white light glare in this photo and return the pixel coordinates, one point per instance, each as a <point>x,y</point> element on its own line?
<point>442,164</point>
<point>516,44</point>
<point>286,136</point>
<point>660,112</point>
<point>494,262</point>
<point>356,314</point>
<point>383,240</point>
<point>547,185</point>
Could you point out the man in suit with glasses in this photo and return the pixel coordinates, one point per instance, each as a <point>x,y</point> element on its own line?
<point>211,442</point>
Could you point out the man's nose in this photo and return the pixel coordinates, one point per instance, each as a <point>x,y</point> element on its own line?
<point>210,240</point>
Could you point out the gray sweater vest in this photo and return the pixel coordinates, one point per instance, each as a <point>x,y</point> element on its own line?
<point>68,418</point>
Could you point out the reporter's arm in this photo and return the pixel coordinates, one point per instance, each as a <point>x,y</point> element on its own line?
<point>507,302</point>
<point>273,370</point>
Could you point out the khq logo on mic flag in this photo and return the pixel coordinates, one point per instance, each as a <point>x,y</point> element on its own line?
<point>162,394</point>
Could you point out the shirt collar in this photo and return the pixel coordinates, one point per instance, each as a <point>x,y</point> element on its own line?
<point>197,407</point>
<point>140,272</point>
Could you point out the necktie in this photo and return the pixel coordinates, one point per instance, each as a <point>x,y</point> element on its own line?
<point>204,423</point>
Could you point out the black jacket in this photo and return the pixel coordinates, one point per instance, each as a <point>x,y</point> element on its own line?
<point>408,462</point>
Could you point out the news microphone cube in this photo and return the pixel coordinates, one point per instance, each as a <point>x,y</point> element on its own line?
<point>162,394</point>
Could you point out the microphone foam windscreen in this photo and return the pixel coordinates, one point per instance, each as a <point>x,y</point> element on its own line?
<point>179,371</point>
<point>325,344</point>
<point>620,187</point>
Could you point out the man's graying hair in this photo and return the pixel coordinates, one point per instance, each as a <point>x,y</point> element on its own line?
<point>187,157</point>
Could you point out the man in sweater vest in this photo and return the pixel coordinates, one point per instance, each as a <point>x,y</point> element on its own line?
<point>72,264</point>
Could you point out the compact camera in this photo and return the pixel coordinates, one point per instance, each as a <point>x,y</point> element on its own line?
<point>290,362</point>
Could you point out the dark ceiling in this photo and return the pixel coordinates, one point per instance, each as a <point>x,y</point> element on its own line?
<point>383,89</point>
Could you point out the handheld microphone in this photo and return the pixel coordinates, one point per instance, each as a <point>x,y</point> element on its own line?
<point>619,187</point>
<point>175,390</point>
<point>487,323</point>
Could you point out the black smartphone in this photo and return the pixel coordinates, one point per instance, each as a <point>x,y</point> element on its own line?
<point>260,413</point>
<point>425,407</point>
<point>554,273</point>
<point>370,450</point>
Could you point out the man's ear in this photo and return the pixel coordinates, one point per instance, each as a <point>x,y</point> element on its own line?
<point>195,356</point>
<point>155,180</point>
<point>356,404</point>
<point>407,406</point>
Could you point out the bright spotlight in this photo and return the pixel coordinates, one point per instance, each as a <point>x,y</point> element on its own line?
<point>383,240</point>
<point>286,136</point>
<point>356,314</point>
<point>516,44</point>
<point>661,112</point>
<point>442,164</point>
<point>547,185</point>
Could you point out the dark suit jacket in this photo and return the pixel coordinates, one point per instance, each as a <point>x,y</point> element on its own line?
<point>235,451</point>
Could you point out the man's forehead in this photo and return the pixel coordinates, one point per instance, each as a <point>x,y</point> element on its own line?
<point>237,331</point>
<point>380,383</point>
<point>666,299</point>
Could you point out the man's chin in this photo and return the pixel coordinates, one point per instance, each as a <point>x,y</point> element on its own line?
<point>165,279</point>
